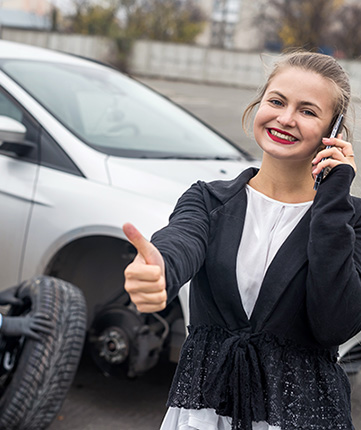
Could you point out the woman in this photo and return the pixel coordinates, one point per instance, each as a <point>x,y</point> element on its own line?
<point>274,267</point>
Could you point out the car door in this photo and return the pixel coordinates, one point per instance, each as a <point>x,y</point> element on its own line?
<point>17,185</point>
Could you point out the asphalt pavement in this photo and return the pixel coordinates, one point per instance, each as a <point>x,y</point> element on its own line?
<point>96,402</point>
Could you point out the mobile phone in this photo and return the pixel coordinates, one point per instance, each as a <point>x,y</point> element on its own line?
<point>335,131</point>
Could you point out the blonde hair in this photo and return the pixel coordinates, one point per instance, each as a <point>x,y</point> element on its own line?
<point>324,65</point>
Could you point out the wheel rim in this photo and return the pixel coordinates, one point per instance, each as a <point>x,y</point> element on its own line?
<point>111,339</point>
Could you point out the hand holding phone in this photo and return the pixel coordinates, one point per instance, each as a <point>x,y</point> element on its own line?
<point>334,133</point>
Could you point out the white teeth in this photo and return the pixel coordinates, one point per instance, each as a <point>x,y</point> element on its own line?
<point>282,136</point>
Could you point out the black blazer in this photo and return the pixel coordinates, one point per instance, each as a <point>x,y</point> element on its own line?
<point>311,292</point>
<point>280,365</point>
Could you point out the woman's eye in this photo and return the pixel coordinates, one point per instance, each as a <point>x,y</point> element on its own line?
<point>308,112</point>
<point>276,102</point>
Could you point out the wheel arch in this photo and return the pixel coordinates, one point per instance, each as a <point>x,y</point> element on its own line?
<point>95,264</point>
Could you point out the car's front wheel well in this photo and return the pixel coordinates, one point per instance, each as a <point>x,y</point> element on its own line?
<point>95,264</point>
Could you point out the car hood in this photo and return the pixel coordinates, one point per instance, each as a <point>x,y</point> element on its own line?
<point>166,180</point>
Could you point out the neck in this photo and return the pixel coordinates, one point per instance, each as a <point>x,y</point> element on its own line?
<point>289,182</point>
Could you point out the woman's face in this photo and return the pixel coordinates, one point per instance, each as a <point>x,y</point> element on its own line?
<point>294,114</point>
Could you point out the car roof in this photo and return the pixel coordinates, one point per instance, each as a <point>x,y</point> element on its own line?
<point>19,51</point>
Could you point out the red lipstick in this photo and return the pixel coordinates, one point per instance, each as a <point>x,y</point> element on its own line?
<point>279,139</point>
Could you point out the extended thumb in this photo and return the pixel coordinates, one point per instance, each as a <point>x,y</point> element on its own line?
<point>149,252</point>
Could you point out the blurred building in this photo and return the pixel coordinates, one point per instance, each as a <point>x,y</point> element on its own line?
<point>231,25</point>
<point>37,7</point>
<point>32,14</point>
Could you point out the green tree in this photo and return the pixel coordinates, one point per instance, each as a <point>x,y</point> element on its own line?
<point>166,20</point>
<point>94,19</point>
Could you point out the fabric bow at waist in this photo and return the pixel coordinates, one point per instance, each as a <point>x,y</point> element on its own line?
<point>234,385</point>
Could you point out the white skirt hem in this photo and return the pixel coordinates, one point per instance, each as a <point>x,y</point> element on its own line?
<point>203,419</point>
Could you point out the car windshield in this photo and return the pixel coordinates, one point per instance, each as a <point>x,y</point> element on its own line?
<point>116,114</point>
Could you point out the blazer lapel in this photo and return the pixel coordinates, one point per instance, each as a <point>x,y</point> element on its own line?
<point>279,274</point>
<point>228,222</point>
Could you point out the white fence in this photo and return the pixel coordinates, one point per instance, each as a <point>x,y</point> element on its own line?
<point>95,47</point>
<point>208,65</point>
<point>199,64</point>
<point>170,60</point>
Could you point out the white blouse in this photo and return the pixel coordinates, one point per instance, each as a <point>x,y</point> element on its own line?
<point>267,225</point>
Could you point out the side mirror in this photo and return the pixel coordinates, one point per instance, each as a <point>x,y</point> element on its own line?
<point>12,136</point>
<point>11,130</point>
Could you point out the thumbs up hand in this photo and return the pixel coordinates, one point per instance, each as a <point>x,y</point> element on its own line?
<point>145,276</point>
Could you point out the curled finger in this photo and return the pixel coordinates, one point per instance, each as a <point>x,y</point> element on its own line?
<point>150,308</point>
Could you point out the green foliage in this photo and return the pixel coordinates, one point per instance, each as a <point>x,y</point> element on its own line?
<point>95,20</point>
<point>165,20</point>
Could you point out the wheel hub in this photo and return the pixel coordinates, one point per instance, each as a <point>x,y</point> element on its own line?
<point>114,345</point>
<point>121,340</point>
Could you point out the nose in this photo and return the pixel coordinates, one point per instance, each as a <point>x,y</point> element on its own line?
<point>286,118</point>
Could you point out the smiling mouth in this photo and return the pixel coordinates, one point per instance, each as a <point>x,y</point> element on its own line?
<point>277,136</point>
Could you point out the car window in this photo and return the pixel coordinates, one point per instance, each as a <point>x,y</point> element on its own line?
<point>8,108</point>
<point>116,114</point>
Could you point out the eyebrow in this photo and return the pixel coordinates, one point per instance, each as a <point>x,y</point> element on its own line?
<point>302,102</point>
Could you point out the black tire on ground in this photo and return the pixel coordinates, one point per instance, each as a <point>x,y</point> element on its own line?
<point>34,390</point>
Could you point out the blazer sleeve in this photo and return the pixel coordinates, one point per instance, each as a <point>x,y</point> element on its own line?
<point>183,242</point>
<point>334,252</point>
